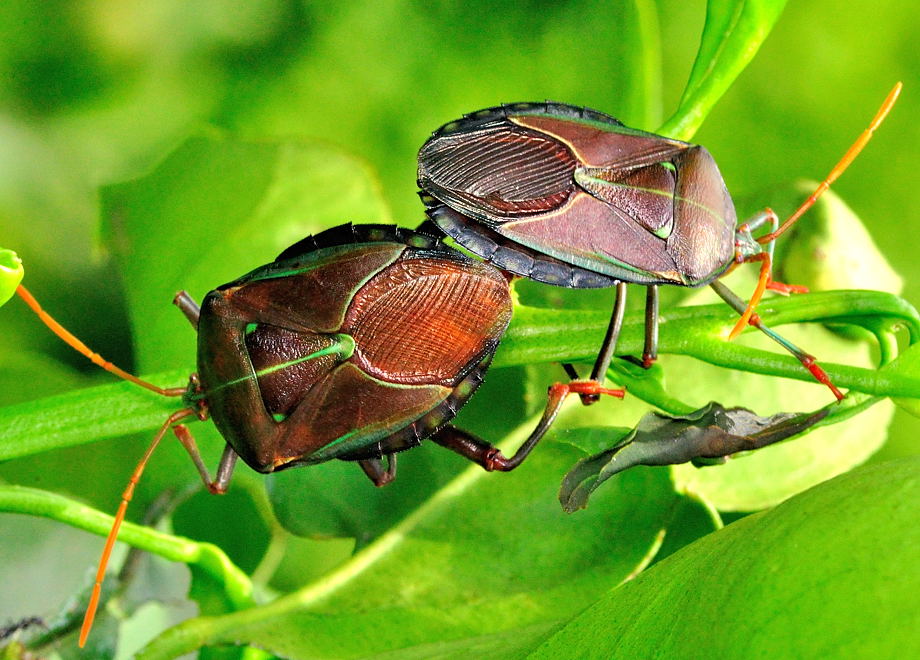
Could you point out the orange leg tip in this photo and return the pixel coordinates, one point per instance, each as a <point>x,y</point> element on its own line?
<point>739,326</point>
<point>781,287</point>
<point>822,377</point>
<point>618,393</point>
<point>89,617</point>
<point>590,388</point>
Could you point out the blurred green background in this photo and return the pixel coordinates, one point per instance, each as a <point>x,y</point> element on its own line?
<point>93,93</point>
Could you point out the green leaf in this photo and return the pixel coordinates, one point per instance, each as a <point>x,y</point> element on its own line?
<point>209,558</point>
<point>831,248</point>
<point>469,577</point>
<point>833,572</point>
<point>11,273</point>
<point>82,416</point>
<point>733,33</point>
<point>235,206</point>
<point>337,501</point>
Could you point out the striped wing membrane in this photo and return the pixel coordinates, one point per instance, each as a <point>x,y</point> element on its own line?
<point>503,170</point>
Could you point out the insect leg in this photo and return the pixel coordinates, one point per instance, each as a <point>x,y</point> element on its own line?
<point>126,496</point>
<point>373,468</point>
<point>490,457</point>
<point>807,360</point>
<point>650,351</point>
<point>188,306</point>
<point>218,485</point>
<point>605,356</point>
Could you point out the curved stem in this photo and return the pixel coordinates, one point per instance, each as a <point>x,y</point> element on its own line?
<point>208,557</point>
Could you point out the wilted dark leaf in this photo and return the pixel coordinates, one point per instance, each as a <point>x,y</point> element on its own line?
<point>705,436</point>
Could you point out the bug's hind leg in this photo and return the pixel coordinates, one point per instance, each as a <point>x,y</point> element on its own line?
<point>373,468</point>
<point>807,360</point>
<point>490,457</point>
<point>605,356</point>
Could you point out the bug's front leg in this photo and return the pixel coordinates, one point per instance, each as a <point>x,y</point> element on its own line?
<point>807,360</point>
<point>218,485</point>
<point>747,249</point>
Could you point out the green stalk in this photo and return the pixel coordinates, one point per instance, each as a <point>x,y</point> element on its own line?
<point>535,336</point>
<point>208,557</point>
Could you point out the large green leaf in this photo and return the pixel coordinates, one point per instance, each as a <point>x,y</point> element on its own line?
<point>486,554</point>
<point>833,572</point>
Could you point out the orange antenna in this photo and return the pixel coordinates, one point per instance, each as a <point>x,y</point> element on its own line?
<point>766,269</point>
<point>120,516</point>
<point>71,340</point>
<point>841,166</point>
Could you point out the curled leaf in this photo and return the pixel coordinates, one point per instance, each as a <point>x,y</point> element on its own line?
<point>11,273</point>
<point>704,436</point>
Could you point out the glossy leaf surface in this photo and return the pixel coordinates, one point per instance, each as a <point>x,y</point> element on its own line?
<point>457,593</point>
<point>808,582</point>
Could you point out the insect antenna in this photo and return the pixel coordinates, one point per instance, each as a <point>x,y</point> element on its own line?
<point>841,165</point>
<point>838,169</point>
<point>126,496</point>
<point>71,340</point>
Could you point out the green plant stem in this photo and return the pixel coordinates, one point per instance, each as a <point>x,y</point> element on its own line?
<point>208,557</point>
<point>700,332</point>
<point>535,336</point>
